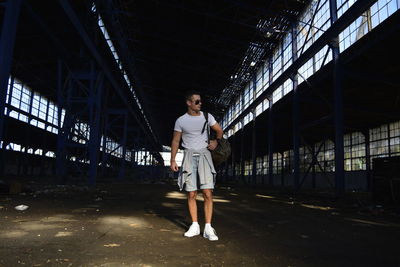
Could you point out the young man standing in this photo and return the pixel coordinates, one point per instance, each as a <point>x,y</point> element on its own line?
<point>197,170</point>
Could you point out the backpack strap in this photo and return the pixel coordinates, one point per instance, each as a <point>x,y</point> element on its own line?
<point>206,125</point>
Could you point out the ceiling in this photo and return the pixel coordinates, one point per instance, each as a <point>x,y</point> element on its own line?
<point>176,46</point>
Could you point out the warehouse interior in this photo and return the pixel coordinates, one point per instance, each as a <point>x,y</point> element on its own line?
<point>306,91</point>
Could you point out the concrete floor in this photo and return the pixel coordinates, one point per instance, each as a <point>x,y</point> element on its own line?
<point>143,225</point>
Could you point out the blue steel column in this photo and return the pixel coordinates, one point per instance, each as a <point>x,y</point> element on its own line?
<point>270,131</point>
<point>242,165</point>
<point>121,174</point>
<point>282,170</point>
<point>7,40</point>
<point>104,145</point>
<point>96,91</point>
<point>29,164</point>
<point>60,155</point>
<point>314,153</point>
<point>253,151</point>
<point>367,159</point>
<point>135,157</point>
<point>338,98</point>
<point>295,121</point>
<point>11,88</point>
<point>253,147</point>
<point>233,157</point>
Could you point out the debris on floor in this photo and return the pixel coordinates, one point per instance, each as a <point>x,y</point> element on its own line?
<point>21,207</point>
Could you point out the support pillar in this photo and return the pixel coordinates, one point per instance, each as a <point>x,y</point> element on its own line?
<point>7,40</point>
<point>96,91</point>
<point>233,157</point>
<point>121,174</point>
<point>270,129</point>
<point>338,108</point>
<point>60,154</point>
<point>282,169</point>
<point>242,165</point>
<point>367,159</point>
<point>270,143</point>
<point>295,120</point>
<point>253,151</point>
<point>313,166</point>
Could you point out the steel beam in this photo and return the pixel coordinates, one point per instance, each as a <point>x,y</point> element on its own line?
<point>95,107</point>
<point>60,154</point>
<point>233,162</point>
<point>8,101</point>
<point>270,131</point>
<point>295,115</point>
<point>7,40</point>
<point>253,152</point>
<point>242,155</point>
<point>338,107</point>
<point>254,136</point>
<point>121,174</point>
<point>282,171</point>
<point>367,158</point>
<point>270,144</point>
<point>313,177</point>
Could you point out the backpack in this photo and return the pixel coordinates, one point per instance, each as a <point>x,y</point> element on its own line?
<point>222,152</point>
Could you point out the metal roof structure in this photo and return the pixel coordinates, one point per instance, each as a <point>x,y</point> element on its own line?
<point>178,46</point>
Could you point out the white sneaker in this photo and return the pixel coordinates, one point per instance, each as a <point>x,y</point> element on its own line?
<point>210,234</point>
<point>194,230</point>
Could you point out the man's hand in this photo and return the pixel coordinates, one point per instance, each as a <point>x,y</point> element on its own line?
<point>174,167</point>
<point>213,144</point>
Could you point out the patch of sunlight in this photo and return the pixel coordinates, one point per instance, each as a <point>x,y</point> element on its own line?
<point>215,199</point>
<point>13,234</point>
<point>233,194</point>
<point>112,245</point>
<point>34,226</point>
<point>219,199</point>
<point>115,264</point>
<point>63,234</point>
<point>264,196</point>
<point>121,225</point>
<point>176,195</point>
<point>315,207</point>
<point>371,222</point>
<point>59,218</point>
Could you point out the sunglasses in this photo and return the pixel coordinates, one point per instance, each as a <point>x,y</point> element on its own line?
<point>197,102</point>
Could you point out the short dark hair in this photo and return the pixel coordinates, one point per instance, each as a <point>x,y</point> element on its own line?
<point>189,94</point>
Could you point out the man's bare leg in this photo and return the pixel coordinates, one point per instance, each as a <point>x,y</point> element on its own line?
<point>194,229</point>
<point>192,205</point>
<point>208,204</point>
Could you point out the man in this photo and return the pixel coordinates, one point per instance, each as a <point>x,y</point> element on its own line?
<point>197,170</point>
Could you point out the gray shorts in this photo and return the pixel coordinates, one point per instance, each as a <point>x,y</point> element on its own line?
<point>193,179</point>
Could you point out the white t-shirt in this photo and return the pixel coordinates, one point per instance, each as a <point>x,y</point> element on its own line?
<point>190,127</point>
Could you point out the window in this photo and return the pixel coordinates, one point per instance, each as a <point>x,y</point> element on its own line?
<point>354,152</point>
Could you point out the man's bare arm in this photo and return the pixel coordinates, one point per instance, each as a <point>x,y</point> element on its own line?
<point>217,128</point>
<point>213,143</point>
<point>174,149</point>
